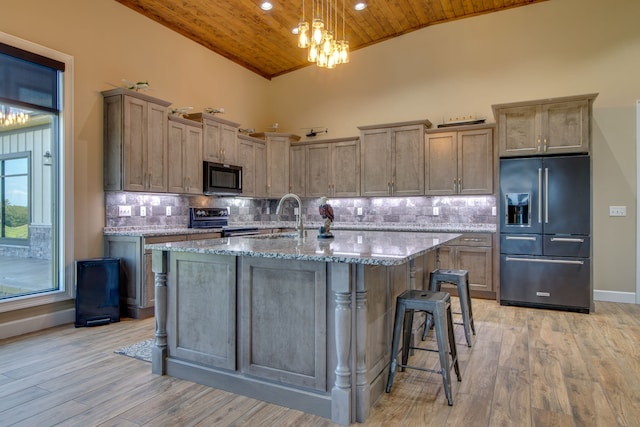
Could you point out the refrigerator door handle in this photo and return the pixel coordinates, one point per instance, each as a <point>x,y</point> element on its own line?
<point>567,239</point>
<point>540,195</point>
<point>546,261</point>
<point>521,238</point>
<point>546,195</point>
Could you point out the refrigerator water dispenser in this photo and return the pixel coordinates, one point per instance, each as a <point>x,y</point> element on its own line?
<point>518,209</point>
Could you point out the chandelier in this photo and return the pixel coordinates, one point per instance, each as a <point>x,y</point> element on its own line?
<point>321,38</point>
<point>10,117</point>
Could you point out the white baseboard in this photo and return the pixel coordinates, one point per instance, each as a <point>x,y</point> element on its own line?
<point>615,296</point>
<point>37,323</point>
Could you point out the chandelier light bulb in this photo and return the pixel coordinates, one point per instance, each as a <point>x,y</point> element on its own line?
<point>313,52</point>
<point>303,36</point>
<point>317,26</point>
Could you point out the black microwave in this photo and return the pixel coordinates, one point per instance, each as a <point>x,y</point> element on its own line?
<point>219,178</point>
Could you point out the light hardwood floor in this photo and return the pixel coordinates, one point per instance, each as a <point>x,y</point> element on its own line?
<point>527,367</point>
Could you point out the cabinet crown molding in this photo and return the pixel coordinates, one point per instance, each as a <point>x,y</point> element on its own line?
<point>134,94</point>
<point>425,122</point>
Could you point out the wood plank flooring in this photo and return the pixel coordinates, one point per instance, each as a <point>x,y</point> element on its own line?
<point>527,367</point>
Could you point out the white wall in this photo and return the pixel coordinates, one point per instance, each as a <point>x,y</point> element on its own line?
<point>545,50</point>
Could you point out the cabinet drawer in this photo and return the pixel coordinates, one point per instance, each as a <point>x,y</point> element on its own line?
<point>473,239</point>
<point>164,239</point>
<point>521,244</point>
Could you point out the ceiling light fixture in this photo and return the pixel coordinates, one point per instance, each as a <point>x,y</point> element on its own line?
<point>360,6</point>
<point>322,42</point>
<point>266,5</point>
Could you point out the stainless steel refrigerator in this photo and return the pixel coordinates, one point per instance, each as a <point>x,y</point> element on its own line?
<point>545,232</point>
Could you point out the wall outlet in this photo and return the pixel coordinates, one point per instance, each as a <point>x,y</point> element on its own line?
<point>268,210</point>
<point>143,211</point>
<point>296,211</point>
<point>168,211</point>
<point>436,211</point>
<point>124,210</point>
<point>617,211</point>
<point>359,211</point>
<point>493,211</point>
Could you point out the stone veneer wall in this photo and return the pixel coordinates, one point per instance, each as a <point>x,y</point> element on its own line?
<point>420,210</point>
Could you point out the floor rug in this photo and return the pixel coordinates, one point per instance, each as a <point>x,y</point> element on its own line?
<point>140,350</point>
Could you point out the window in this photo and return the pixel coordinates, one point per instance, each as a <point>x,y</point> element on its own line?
<point>14,198</point>
<point>36,205</point>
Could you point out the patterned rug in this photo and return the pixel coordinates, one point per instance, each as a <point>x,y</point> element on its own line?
<point>140,350</point>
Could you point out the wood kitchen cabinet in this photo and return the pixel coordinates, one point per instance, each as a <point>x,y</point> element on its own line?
<point>460,161</point>
<point>327,168</point>
<point>219,138</point>
<point>251,156</point>
<point>392,159</point>
<point>277,161</point>
<point>552,126</point>
<point>137,290</point>
<point>135,141</point>
<point>472,252</point>
<point>298,170</point>
<point>184,171</point>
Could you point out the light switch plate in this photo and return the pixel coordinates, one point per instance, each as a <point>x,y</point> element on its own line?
<point>359,211</point>
<point>436,211</point>
<point>493,210</point>
<point>168,211</point>
<point>617,211</point>
<point>124,210</point>
<point>143,211</point>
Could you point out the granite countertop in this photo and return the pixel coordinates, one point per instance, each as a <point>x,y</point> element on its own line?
<point>359,247</point>
<point>156,231</point>
<point>356,226</point>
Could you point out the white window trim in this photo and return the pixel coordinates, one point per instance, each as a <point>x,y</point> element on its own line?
<point>66,232</point>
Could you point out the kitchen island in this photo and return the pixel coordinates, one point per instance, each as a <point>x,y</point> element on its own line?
<point>301,322</point>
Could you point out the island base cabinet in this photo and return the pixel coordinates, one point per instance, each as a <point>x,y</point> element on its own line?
<point>202,322</point>
<point>308,335</point>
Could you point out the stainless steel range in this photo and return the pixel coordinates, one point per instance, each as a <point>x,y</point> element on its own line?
<point>217,218</point>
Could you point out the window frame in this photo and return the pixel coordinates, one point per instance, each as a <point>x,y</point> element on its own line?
<point>64,252</point>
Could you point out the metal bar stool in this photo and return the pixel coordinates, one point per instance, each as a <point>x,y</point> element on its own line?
<point>438,304</point>
<point>460,278</point>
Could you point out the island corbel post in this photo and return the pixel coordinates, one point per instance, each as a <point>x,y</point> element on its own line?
<point>341,391</point>
<point>160,269</point>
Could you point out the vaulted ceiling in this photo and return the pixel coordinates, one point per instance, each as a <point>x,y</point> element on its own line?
<point>262,41</point>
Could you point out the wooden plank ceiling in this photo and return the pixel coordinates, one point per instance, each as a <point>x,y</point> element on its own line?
<point>263,43</point>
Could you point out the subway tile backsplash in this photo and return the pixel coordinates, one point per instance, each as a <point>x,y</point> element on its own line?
<point>420,210</point>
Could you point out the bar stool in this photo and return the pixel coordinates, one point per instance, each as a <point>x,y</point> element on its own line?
<point>438,304</point>
<point>460,278</point>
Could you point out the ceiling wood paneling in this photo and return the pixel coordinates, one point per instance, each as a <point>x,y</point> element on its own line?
<point>263,43</point>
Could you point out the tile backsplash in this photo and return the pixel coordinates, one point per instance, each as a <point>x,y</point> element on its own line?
<point>420,210</point>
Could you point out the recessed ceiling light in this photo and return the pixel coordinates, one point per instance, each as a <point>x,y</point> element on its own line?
<point>266,5</point>
<point>360,6</point>
<point>295,30</point>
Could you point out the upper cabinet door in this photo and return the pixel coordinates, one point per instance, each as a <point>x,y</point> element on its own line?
<point>441,177</point>
<point>156,148</point>
<point>475,162</point>
<point>375,162</point>
<point>407,144</point>
<point>519,131</point>
<point>565,127</point>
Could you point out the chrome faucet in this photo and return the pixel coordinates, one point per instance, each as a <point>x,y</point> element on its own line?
<point>299,226</point>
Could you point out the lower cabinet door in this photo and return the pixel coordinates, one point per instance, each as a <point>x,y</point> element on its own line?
<point>202,309</point>
<point>283,325</point>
